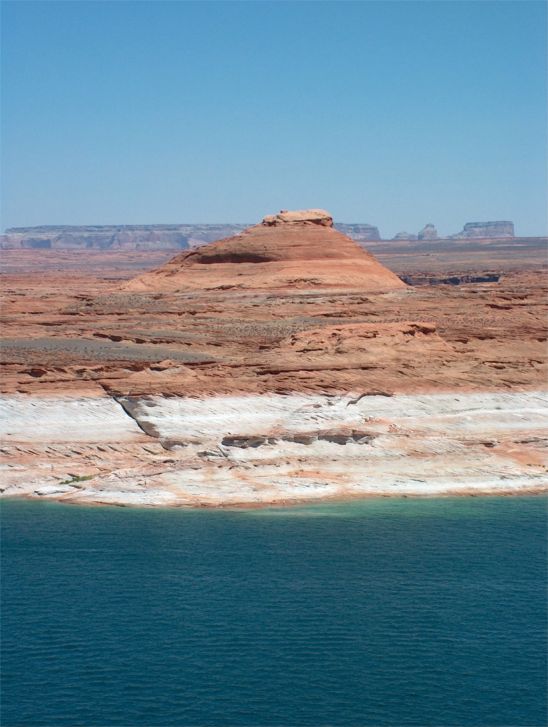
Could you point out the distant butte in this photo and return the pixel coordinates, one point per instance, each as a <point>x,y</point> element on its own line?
<point>292,249</point>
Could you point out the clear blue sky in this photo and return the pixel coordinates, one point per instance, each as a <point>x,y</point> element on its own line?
<point>393,113</point>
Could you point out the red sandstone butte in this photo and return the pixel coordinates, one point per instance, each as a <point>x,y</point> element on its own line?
<point>299,249</point>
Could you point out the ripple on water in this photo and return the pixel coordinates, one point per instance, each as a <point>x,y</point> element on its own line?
<point>376,612</point>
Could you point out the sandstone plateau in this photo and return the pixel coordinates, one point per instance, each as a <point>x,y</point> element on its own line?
<point>113,237</point>
<point>279,365</point>
<point>184,236</point>
<point>497,228</point>
<point>139,237</point>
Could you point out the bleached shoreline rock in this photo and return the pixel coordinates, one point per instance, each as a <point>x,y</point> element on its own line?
<point>257,450</point>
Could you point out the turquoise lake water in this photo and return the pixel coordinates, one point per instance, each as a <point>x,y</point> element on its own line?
<point>381,612</point>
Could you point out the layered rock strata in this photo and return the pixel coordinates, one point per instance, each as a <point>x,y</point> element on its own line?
<point>404,236</point>
<point>359,231</point>
<point>274,391</point>
<point>140,237</point>
<point>257,450</point>
<point>291,249</point>
<point>496,229</point>
<point>113,237</point>
<point>428,232</point>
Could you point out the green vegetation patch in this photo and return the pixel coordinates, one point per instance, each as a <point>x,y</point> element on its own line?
<point>77,478</point>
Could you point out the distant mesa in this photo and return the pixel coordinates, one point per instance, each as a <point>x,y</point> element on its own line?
<point>428,232</point>
<point>471,230</point>
<point>189,236</point>
<point>360,232</point>
<point>113,237</point>
<point>404,236</point>
<point>141,237</point>
<point>496,228</point>
<point>292,249</point>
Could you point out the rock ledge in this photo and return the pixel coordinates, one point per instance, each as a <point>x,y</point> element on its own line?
<point>314,216</point>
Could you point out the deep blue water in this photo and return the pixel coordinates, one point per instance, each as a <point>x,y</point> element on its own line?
<point>383,612</point>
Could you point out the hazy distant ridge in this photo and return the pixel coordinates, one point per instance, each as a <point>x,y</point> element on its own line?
<point>184,236</point>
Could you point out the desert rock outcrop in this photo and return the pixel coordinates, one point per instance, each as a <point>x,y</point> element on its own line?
<point>360,232</point>
<point>251,382</point>
<point>298,249</point>
<point>495,229</point>
<point>113,237</point>
<point>313,217</point>
<point>428,232</point>
<point>404,236</point>
<point>140,237</point>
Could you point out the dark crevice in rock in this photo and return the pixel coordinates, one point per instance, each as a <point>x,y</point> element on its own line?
<point>306,438</point>
<point>450,280</point>
<point>129,404</point>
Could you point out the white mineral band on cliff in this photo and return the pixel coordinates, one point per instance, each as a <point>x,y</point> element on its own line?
<point>232,450</point>
<point>65,419</point>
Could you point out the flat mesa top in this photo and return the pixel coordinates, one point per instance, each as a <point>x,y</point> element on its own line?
<point>313,216</point>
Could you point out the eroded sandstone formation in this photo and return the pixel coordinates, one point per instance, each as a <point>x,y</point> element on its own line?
<point>404,236</point>
<point>298,249</point>
<point>359,231</point>
<point>140,237</point>
<point>496,229</point>
<point>113,237</point>
<point>256,450</point>
<point>428,232</point>
<point>200,388</point>
<point>300,217</point>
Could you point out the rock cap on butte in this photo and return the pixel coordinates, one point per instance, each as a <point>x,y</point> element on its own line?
<point>316,217</point>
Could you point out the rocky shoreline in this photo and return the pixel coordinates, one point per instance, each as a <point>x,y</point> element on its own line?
<point>285,364</point>
<point>272,449</point>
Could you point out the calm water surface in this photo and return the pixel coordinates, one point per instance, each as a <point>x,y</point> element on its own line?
<point>383,612</point>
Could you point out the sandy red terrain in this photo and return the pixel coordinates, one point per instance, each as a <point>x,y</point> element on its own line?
<point>300,319</point>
